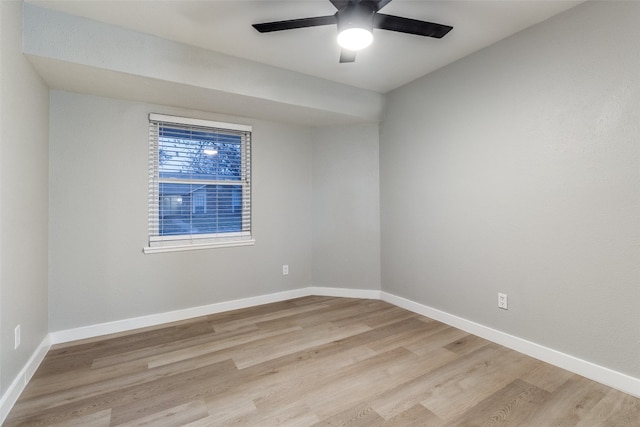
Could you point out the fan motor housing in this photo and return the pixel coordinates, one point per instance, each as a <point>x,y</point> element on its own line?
<point>355,16</point>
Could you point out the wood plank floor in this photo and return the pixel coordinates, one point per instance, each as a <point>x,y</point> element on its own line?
<point>314,361</point>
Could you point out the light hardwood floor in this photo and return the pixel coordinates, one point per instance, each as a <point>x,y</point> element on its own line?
<point>307,362</point>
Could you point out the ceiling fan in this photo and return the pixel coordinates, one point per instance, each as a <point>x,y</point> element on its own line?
<point>356,20</point>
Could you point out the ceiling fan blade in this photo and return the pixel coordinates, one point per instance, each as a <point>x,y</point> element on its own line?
<point>339,4</point>
<point>376,5</point>
<point>410,26</point>
<point>347,56</point>
<point>290,24</point>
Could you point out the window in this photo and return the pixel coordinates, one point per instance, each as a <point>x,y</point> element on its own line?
<point>199,184</point>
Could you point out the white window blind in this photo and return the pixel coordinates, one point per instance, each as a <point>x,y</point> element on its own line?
<point>199,184</point>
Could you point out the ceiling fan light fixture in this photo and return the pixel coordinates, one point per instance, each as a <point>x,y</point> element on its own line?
<point>356,20</point>
<point>355,38</point>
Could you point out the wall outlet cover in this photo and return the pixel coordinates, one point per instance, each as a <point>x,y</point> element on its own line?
<point>16,337</point>
<point>502,301</point>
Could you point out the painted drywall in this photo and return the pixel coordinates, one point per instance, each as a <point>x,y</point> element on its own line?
<point>98,217</point>
<point>517,170</point>
<point>79,54</point>
<point>346,207</point>
<point>24,104</point>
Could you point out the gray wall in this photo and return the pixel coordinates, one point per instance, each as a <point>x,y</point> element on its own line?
<point>24,103</point>
<point>141,67</point>
<point>517,170</point>
<point>346,207</point>
<point>98,218</point>
<point>514,170</point>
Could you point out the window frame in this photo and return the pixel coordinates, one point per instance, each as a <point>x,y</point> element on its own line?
<point>157,243</point>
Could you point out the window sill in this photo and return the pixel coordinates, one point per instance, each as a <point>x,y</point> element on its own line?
<point>196,246</point>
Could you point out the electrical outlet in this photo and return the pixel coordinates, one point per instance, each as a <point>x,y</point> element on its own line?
<point>285,270</point>
<point>502,301</point>
<point>16,337</point>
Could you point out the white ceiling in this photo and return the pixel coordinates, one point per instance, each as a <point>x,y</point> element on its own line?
<point>393,60</point>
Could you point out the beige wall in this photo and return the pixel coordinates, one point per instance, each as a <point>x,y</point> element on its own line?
<point>517,170</point>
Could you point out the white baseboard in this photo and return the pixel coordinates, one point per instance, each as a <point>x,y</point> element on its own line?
<point>606,376</point>
<point>204,310</point>
<point>10,396</point>
<point>171,316</point>
<point>609,377</point>
<point>345,293</point>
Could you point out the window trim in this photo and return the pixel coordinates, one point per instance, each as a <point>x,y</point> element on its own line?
<point>173,243</point>
<point>155,117</point>
<point>197,246</point>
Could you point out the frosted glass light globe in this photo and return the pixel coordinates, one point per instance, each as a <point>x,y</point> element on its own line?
<point>355,38</point>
